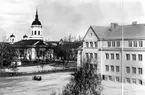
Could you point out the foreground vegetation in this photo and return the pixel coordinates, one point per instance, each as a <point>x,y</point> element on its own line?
<point>83,82</point>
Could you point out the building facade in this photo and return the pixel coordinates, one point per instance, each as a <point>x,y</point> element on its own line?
<point>118,51</point>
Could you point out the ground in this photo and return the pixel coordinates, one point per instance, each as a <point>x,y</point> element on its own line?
<point>24,85</point>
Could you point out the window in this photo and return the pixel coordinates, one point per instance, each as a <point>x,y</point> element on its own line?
<point>117,68</point>
<point>130,43</point>
<point>133,70</point>
<point>127,56</point>
<point>95,54</point>
<point>118,43</point>
<point>109,44</point>
<point>135,43</point>
<point>87,44</point>
<point>134,81</point>
<point>38,32</point>
<point>140,81</point>
<point>113,43</point>
<point>107,67</point>
<point>127,69</point>
<point>133,57</point>
<point>112,56</point>
<point>128,80</point>
<point>91,43</point>
<point>112,68</point>
<point>32,32</point>
<point>140,70</point>
<point>104,77</point>
<point>96,44</point>
<point>91,34</point>
<point>139,57</point>
<point>117,56</point>
<point>95,66</point>
<point>35,33</point>
<point>107,56</point>
<point>91,55</point>
<point>87,55</point>
<point>140,44</point>
<point>91,66</point>
<point>110,78</point>
<point>117,79</point>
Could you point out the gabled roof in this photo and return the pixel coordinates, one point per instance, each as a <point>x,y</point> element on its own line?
<point>129,32</point>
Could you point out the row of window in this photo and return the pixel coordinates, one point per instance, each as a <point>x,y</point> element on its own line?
<point>113,43</point>
<point>133,80</point>
<point>118,79</point>
<point>112,68</point>
<point>91,44</point>
<point>111,78</point>
<point>134,43</point>
<point>91,55</point>
<point>134,70</point>
<point>112,56</point>
<point>35,32</point>
<point>128,70</point>
<point>134,57</point>
<point>128,56</point>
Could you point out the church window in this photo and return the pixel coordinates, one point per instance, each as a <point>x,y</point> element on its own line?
<point>38,32</point>
<point>35,32</point>
<point>12,40</point>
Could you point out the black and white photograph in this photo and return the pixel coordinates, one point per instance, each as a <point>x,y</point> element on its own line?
<point>72,47</point>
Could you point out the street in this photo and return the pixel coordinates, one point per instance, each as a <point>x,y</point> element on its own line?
<point>24,85</point>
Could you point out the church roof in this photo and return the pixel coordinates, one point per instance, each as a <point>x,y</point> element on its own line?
<point>32,43</point>
<point>25,36</point>
<point>36,21</point>
<point>12,35</point>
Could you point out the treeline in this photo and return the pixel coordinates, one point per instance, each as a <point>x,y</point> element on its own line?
<point>67,50</point>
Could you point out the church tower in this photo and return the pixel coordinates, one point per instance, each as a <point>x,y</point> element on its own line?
<point>36,28</point>
<point>12,38</point>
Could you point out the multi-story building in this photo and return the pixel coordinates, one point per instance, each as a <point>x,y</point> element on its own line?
<point>117,51</point>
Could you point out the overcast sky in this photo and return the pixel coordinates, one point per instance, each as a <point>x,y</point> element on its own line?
<point>61,17</point>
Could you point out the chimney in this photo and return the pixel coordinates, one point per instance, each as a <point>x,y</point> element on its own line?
<point>134,22</point>
<point>113,26</point>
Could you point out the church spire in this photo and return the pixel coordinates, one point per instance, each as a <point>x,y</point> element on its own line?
<point>36,20</point>
<point>36,16</point>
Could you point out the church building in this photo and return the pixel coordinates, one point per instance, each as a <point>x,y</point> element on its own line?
<point>33,47</point>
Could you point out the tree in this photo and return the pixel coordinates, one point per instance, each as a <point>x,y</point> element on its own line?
<point>84,82</point>
<point>7,53</point>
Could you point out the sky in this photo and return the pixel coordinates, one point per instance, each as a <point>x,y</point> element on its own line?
<point>60,18</point>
